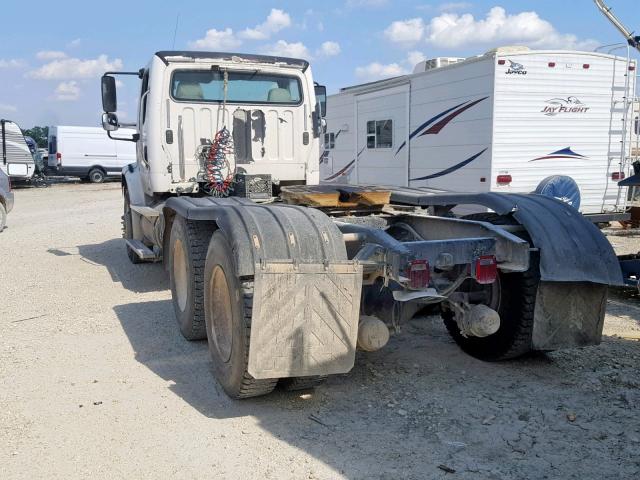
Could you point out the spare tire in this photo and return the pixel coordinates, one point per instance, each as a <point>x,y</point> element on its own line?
<point>562,187</point>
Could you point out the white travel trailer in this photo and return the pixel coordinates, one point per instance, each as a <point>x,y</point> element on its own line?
<point>88,153</point>
<point>16,159</point>
<point>502,121</point>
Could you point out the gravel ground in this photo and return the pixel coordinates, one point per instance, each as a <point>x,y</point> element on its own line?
<point>98,383</point>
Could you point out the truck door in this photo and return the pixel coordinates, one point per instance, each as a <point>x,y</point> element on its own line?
<point>141,145</point>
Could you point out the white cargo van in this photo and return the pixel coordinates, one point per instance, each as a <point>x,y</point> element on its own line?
<point>16,159</point>
<point>88,153</point>
<point>500,122</point>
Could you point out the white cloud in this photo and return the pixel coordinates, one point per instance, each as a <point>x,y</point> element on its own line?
<point>74,43</point>
<point>50,55</point>
<point>8,108</point>
<point>377,70</point>
<point>415,57</point>
<point>12,63</point>
<point>69,68</point>
<point>366,3</point>
<point>405,32</point>
<point>285,49</point>
<point>67,91</point>
<point>449,6</point>
<point>217,40</point>
<point>329,49</point>
<point>276,21</point>
<point>451,30</point>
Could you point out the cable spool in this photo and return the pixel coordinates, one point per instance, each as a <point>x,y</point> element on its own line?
<point>217,166</point>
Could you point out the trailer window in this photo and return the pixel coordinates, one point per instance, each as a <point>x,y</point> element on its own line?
<point>380,134</point>
<point>243,87</point>
<point>329,140</point>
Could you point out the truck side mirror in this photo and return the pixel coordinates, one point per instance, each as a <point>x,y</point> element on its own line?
<point>110,122</point>
<point>321,99</point>
<point>109,98</point>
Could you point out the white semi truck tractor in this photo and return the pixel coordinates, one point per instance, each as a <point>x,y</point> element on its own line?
<point>286,278</point>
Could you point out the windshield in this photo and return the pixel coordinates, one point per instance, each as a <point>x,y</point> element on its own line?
<point>243,87</point>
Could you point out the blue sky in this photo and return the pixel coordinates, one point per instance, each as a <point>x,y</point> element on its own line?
<point>53,54</point>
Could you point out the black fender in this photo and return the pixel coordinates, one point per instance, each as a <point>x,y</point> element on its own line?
<point>260,232</point>
<point>572,249</point>
<point>132,181</point>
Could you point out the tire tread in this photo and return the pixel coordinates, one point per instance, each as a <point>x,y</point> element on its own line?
<point>251,387</point>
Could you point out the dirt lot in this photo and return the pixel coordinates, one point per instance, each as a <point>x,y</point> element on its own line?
<point>96,382</point>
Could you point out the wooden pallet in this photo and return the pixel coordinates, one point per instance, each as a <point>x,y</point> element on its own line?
<point>335,196</point>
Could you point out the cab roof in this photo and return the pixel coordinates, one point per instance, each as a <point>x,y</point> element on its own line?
<point>168,56</point>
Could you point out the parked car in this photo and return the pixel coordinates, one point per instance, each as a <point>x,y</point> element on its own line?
<point>88,153</point>
<point>41,157</point>
<point>6,198</point>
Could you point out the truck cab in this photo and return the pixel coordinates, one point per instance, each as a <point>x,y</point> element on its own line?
<point>267,104</point>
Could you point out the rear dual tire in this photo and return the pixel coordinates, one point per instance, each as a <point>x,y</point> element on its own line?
<point>228,304</point>
<point>514,298</point>
<point>211,301</point>
<point>187,253</point>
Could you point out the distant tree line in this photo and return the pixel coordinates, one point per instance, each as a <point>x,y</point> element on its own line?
<point>39,134</point>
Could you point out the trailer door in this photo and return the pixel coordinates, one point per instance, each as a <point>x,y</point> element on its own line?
<point>381,126</point>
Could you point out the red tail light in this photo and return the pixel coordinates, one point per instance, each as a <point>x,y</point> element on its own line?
<point>486,269</point>
<point>585,66</point>
<point>503,179</point>
<point>419,274</point>
<point>552,64</point>
<point>617,176</point>
<point>501,62</point>
<point>59,158</point>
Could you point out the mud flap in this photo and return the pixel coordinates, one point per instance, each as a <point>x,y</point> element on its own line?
<point>304,319</point>
<point>568,314</point>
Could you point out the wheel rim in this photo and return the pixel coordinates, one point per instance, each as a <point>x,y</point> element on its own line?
<point>220,313</point>
<point>489,295</point>
<point>96,177</point>
<point>180,274</point>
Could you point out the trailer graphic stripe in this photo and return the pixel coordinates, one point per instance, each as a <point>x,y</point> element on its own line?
<point>449,170</point>
<point>435,129</point>
<point>563,153</point>
<point>427,123</point>
<point>346,169</point>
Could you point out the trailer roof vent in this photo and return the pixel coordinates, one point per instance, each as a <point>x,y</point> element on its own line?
<point>436,63</point>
